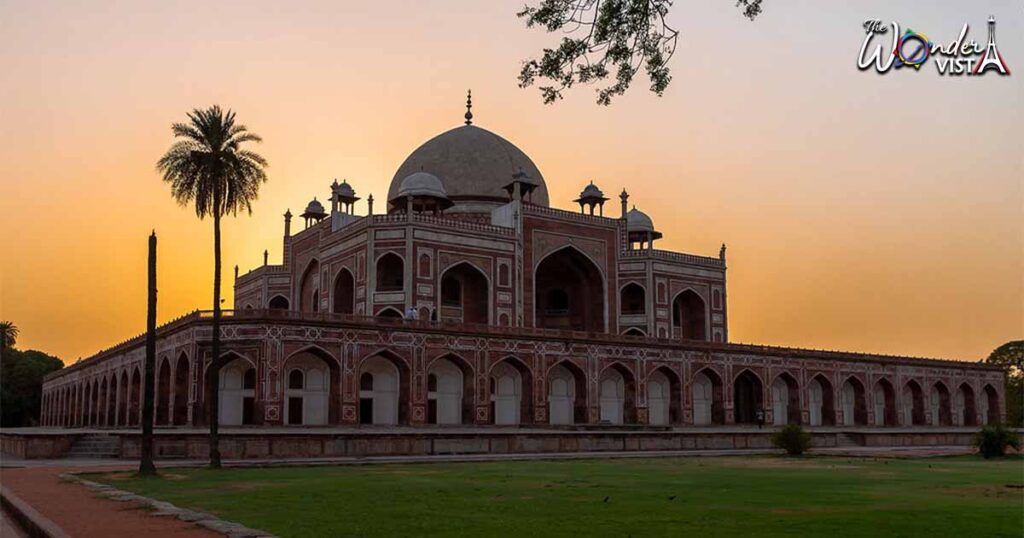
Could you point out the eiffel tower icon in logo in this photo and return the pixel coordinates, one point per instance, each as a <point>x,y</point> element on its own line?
<point>992,58</point>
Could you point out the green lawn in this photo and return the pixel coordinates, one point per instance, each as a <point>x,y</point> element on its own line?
<point>765,496</point>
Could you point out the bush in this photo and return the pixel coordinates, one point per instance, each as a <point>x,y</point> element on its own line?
<point>793,439</point>
<point>992,440</point>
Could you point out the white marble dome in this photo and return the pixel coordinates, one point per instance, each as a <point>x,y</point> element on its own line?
<point>473,165</point>
<point>421,184</point>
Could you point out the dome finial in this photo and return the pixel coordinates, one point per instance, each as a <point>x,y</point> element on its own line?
<point>469,107</point>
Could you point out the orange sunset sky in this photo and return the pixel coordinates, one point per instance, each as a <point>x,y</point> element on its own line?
<point>862,212</point>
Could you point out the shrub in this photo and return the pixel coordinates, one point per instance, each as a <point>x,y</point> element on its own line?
<point>793,439</point>
<point>992,440</point>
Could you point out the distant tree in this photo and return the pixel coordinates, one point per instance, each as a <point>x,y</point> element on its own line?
<point>606,38</point>
<point>1010,357</point>
<point>8,335</point>
<point>21,385</point>
<point>209,168</point>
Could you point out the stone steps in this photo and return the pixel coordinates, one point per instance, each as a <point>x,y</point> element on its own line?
<point>846,440</point>
<point>95,447</point>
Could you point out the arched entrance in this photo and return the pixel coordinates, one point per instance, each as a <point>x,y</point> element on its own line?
<point>885,404</point>
<point>941,406</point>
<point>111,403</point>
<point>663,398</point>
<point>389,313</point>
<point>855,410</point>
<point>785,400</point>
<point>966,411</point>
<point>136,397</point>
<point>567,394</point>
<point>101,415</point>
<point>163,392</point>
<point>449,391</point>
<point>237,393</point>
<point>390,272</point>
<point>383,390</point>
<point>122,408</point>
<point>94,405</point>
<point>990,405</point>
<point>688,316</point>
<point>632,300</point>
<point>747,397</point>
<point>569,293</point>
<point>707,398</point>
<point>821,402</point>
<point>180,417</point>
<point>510,385</point>
<point>278,303</point>
<point>913,404</point>
<point>309,286</point>
<point>618,395</point>
<point>344,293</point>
<point>465,295</point>
<point>307,390</point>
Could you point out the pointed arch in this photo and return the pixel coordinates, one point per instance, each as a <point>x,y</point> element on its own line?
<point>634,331</point>
<point>854,402</point>
<point>390,273</point>
<point>309,286</point>
<point>389,312</point>
<point>135,388</point>
<point>567,393</point>
<point>465,293</point>
<point>991,412</point>
<point>278,302</point>
<point>237,389</point>
<point>748,395</point>
<point>450,390</point>
<point>384,379</point>
<point>821,401</point>
<point>315,399</point>
<point>941,406</point>
<point>343,294</point>
<point>708,396</point>
<point>181,376</point>
<point>885,403</point>
<point>632,299</point>
<point>122,408</point>
<point>101,415</point>
<point>785,399</point>
<point>163,392</point>
<point>913,404</point>
<point>510,391</point>
<point>664,397</point>
<point>966,409</point>
<point>617,385</point>
<point>689,315</point>
<point>569,291</point>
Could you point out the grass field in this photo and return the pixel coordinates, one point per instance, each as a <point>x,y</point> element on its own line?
<point>763,496</point>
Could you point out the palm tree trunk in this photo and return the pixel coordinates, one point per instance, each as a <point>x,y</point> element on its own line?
<point>213,379</point>
<point>146,467</point>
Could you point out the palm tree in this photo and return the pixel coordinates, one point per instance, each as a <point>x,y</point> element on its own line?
<point>208,168</point>
<point>8,335</point>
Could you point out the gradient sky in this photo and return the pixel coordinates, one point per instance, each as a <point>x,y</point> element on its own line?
<point>862,212</point>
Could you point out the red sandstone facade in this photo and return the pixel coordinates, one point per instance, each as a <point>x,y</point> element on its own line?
<point>514,313</point>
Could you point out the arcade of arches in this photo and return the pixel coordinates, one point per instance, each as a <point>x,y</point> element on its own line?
<point>450,391</point>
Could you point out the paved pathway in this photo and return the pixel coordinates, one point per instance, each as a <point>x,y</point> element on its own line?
<point>79,512</point>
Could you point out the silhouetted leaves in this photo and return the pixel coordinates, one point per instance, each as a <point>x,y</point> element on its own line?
<point>605,39</point>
